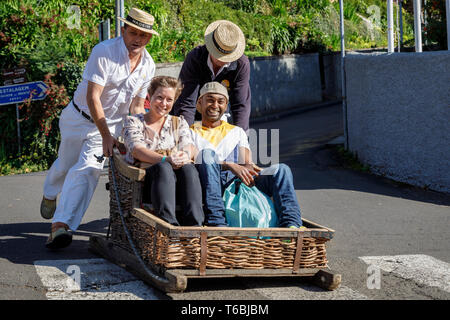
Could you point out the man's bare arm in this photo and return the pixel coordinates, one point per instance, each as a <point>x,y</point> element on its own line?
<point>245,169</point>
<point>137,105</point>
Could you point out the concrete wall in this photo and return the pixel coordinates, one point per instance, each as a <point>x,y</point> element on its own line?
<point>168,69</point>
<point>277,83</point>
<point>332,83</point>
<point>284,82</point>
<point>399,115</point>
<point>331,73</point>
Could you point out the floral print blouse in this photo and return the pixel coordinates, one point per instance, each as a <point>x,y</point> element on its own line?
<point>136,132</point>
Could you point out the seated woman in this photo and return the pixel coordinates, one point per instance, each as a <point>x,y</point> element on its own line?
<point>165,142</point>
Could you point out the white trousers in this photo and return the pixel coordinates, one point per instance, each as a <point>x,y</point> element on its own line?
<point>75,173</point>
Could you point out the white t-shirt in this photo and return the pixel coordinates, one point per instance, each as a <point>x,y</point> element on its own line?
<point>109,66</point>
<point>225,140</point>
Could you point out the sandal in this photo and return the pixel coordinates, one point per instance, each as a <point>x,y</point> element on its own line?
<point>60,238</point>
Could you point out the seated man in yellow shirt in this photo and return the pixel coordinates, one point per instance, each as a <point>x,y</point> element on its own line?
<point>224,155</point>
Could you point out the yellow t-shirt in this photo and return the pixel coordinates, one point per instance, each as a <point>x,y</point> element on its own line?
<point>225,140</point>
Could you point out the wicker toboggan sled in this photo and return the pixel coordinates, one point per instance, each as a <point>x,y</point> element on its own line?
<point>168,256</point>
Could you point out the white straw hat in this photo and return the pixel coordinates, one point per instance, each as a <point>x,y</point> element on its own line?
<point>225,41</point>
<point>140,20</point>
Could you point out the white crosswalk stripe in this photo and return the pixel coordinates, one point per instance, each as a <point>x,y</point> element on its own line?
<point>96,279</point>
<point>420,268</point>
<point>99,279</point>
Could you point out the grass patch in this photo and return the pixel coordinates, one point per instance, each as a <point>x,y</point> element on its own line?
<point>350,160</point>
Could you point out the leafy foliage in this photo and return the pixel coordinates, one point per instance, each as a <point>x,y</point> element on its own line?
<point>435,30</point>
<point>52,39</point>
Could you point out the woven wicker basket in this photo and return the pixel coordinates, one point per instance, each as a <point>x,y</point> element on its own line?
<point>164,246</point>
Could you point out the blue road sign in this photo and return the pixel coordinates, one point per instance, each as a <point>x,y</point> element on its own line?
<point>18,93</point>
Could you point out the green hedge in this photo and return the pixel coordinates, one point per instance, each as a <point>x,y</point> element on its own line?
<point>53,41</point>
<point>43,37</point>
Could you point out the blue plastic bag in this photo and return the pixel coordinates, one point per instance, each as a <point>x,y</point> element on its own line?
<point>248,207</point>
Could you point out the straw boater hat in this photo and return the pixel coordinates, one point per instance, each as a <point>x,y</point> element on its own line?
<point>140,20</point>
<point>224,41</point>
<point>212,87</point>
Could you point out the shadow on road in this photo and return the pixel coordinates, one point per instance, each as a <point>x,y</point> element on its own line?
<point>243,283</point>
<point>24,243</point>
<point>325,171</point>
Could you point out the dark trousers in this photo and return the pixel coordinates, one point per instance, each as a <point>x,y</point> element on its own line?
<point>164,187</point>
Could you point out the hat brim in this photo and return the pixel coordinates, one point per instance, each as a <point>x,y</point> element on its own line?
<point>235,55</point>
<point>138,27</point>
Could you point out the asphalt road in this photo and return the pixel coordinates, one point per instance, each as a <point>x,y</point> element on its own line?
<point>399,230</point>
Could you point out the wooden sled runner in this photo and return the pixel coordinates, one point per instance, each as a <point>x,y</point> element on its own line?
<point>172,255</point>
